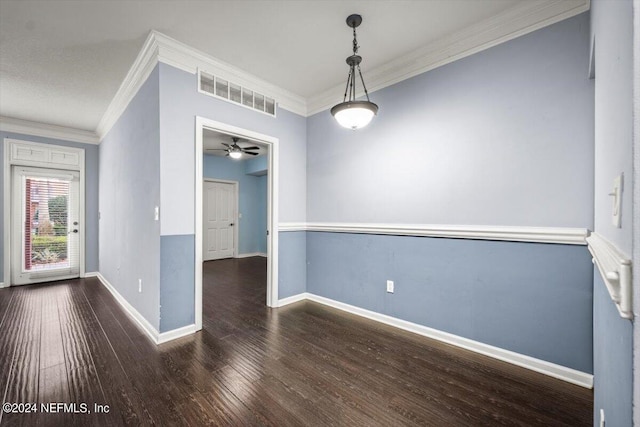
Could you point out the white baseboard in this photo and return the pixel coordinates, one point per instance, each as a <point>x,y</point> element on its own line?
<point>248,255</point>
<point>156,337</point>
<point>176,333</point>
<point>91,274</point>
<point>295,298</point>
<point>144,323</point>
<point>553,370</point>
<point>2,285</point>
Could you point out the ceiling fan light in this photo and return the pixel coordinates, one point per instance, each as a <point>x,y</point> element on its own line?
<point>235,154</point>
<point>354,114</point>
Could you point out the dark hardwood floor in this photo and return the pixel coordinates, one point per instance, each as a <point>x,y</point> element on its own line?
<point>304,364</point>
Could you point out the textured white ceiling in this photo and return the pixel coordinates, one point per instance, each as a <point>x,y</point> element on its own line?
<point>61,62</point>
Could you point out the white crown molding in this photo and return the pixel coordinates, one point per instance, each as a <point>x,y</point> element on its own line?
<point>136,76</point>
<point>524,18</point>
<point>615,269</point>
<point>26,127</point>
<point>161,48</point>
<point>561,235</point>
<point>564,373</point>
<point>519,20</point>
<point>186,58</point>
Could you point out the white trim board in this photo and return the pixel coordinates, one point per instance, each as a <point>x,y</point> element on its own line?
<point>570,375</point>
<point>272,207</point>
<point>164,337</point>
<point>521,19</point>
<point>152,333</point>
<point>26,127</point>
<point>525,17</point>
<point>46,161</point>
<point>140,70</point>
<point>615,268</point>
<point>568,236</point>
<point>252,254</point>
<point>131,310</point>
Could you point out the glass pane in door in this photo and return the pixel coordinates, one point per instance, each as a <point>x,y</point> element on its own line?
<point>46,225</point>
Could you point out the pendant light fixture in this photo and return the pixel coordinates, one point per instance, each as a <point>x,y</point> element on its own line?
<point>351,113</point>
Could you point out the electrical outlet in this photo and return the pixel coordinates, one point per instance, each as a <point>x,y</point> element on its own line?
<point>140,285</point>
<point>156,213</point>
<point>390,286</point>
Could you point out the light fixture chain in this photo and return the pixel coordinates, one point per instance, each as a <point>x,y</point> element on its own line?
<point>346,89</point>
<point>352,89</point>
<point>363,85</point>
<point>355,42</point>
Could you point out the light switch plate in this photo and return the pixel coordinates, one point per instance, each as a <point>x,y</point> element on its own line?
<point>616,193</point>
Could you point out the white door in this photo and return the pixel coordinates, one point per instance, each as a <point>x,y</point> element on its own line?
<point>45,231</point>
<point>219,220</point>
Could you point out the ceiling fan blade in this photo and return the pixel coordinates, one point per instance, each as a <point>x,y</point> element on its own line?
<point>225,144</point>
<point>250,152</point>
<point>215,149</point>
<point>251,148</point>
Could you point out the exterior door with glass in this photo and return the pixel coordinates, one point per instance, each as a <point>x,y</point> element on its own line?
<point>45,225</point>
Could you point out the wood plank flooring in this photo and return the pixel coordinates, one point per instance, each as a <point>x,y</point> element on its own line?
<point>300,365</point>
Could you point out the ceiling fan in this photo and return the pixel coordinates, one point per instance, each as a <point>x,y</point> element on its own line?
<point>234,150</point>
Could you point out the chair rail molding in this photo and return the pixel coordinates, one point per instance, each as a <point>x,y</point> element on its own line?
<point>615,269</point>
<point>560,235</point>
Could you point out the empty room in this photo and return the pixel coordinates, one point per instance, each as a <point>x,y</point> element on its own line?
<point>319,212</point>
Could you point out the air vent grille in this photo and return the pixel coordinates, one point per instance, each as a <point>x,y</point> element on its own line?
<point>221,88</point>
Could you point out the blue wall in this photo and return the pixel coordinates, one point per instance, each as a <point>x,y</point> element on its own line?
<point>252,199</point>
<point>129,193</point>
<point>502,137</point>
<point>91,196</point>
<point>612,34</point>
<point>292,264</point>
<point>612,359</point>
<point>177,254</point>
<point>180,103</point>
<point>531,298</point>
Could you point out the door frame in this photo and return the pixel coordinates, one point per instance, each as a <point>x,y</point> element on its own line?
<point>17,224</point>
<point>236,223</point>
<point>8,163</point>
<point>272,206</point>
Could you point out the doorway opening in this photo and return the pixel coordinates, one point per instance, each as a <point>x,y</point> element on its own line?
<point>44,229</point>
<point>236,204</point>
<point>44,212</point>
